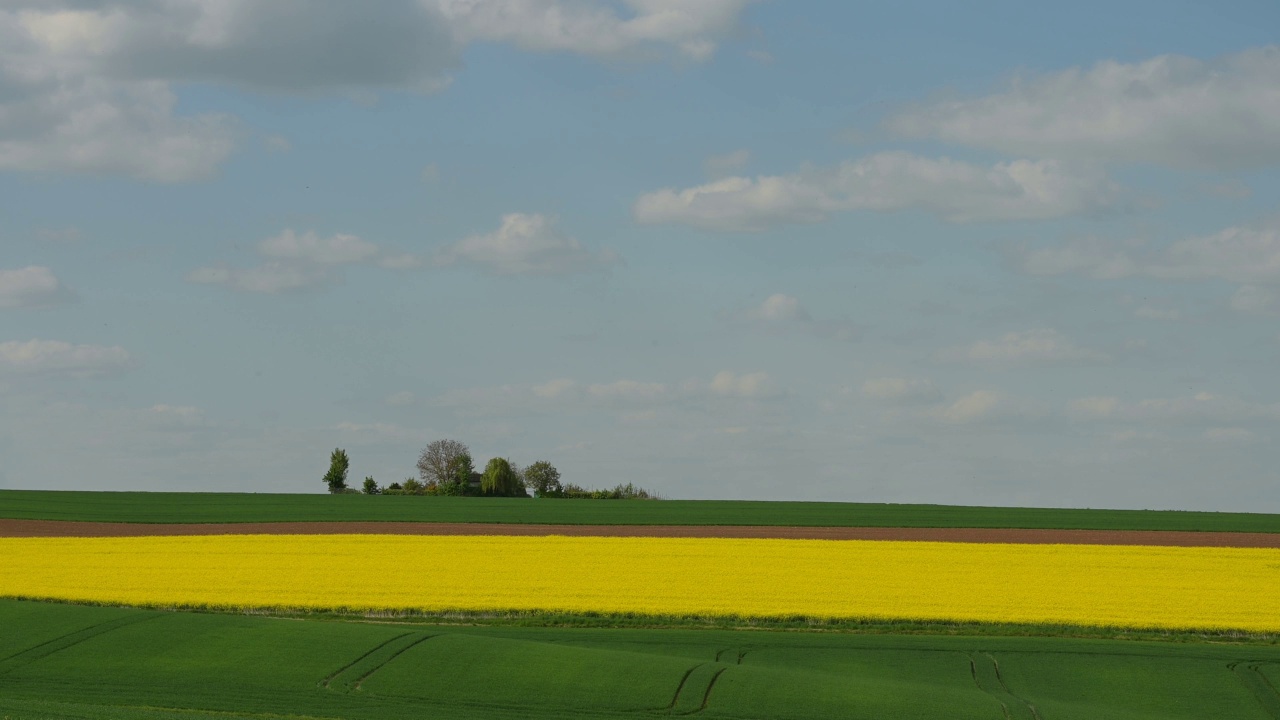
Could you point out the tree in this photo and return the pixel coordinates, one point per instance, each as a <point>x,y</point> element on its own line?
<point>371,487</point>
<point>438,461</point>
<point>460,471</point>
<point>500,479</point>
<point>543,479</point>
<point>337,475</point>
<point>412,486</point>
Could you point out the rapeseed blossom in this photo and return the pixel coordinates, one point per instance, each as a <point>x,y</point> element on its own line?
<point>1151,587</point>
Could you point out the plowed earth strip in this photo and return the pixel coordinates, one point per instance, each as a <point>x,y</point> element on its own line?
<point>66,528</point>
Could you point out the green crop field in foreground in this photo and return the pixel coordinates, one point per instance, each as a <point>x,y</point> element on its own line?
<point>248,507</point>
<point>95,662</point>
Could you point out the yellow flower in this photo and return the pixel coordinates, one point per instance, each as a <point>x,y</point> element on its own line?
<point>1155,587</point>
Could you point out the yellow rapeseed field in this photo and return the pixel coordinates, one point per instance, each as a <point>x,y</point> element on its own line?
<point>1160,587</point>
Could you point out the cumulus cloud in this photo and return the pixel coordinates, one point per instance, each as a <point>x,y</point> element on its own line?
<point>974,407</point>
<point>1041,346</point>
<point>404,397</point>
<point>901,389</point>
<point>554,388</point>
<point>32,286</point>
<point>727,383</point>
<point>54,357</point>
<point>956,191</point>
<point>1201,408</point>
<point>1255,299</point>
<point>526,245</point>
<point>779,307</point>
<point>1093,407</point>
<point>596,28</point>
<point>628,390</point>
<point>88,87</point>
<point>1168,110</point>
<point>105,127</point>
<point>299,262</point>
<point>783,314</point>
<point>1230,435</point>
<point>1248,255</point>
<point>268,278</point>
<point>335,250</point>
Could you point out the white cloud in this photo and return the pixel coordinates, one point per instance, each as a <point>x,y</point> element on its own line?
<point>1230,434</point>
<point>590,28</point>
<point>104,127</point>
<point>335,250</point>
<point>1090,256</point>
<point>378,433</point>
<point>62,358</point>
<point>628,390</point>
<point>1231,189</point>
<point>1093,407</point>
<point>267,278</point>
<point>783,314</point>
<point>177,415</point>
<point>553,388</point>
<point>32,286</point>
<point>526,245</point>
<point>956,191</point>
<point>1201,408</point>
<point>404,397</point>
<point>88,87</point>
<point>743,385</point>
<point>277,143</point>
<point>1238,254</point>
<point>400,261</point>
<point>976,406</point>
<point>300,262</point>
<point>718,166</point>
<point>1255,299</point>
<point>1168,110</point>
<point>1033,347</point>
<point>901,389</point>
<point>779,307</point>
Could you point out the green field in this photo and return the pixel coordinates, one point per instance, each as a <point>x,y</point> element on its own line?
<point>247,507</point>
<point>70,661</point>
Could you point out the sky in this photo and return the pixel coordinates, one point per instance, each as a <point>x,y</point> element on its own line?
<point>992,253</point>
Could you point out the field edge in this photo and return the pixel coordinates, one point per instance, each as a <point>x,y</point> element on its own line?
<point>804,624</point>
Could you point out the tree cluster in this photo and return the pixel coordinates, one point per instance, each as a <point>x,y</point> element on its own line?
<point>445,467</point>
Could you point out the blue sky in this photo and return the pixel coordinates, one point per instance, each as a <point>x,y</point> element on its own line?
<point>995,254</point>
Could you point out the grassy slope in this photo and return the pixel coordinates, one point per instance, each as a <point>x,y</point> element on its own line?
<point>90,662</point>
<point>238,507</point>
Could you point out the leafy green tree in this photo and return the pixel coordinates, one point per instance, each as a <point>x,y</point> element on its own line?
<point>500,479</point>
<point>336,478</point>
<point>371,487</point>
<point>461,469</point>
<point>543,479</point>
<point>412,486</point>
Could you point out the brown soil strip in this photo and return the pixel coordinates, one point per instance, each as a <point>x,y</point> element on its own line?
<point>64,528</point>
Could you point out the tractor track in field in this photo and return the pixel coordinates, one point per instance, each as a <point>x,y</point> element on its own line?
<point>1250,675</point>
<point>330,678</point>
<point>1176,538</point>
<point>682,703</point>
<point>984,668</point>
<point>370,662</point>
<point>69,640</point>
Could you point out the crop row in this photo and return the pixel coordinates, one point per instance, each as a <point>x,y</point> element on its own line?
<point>1151,587</point>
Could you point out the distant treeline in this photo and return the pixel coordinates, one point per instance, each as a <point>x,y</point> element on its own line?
<point>445,467</point>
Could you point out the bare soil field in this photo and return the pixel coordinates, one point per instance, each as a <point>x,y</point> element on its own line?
<point>63,528</point>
